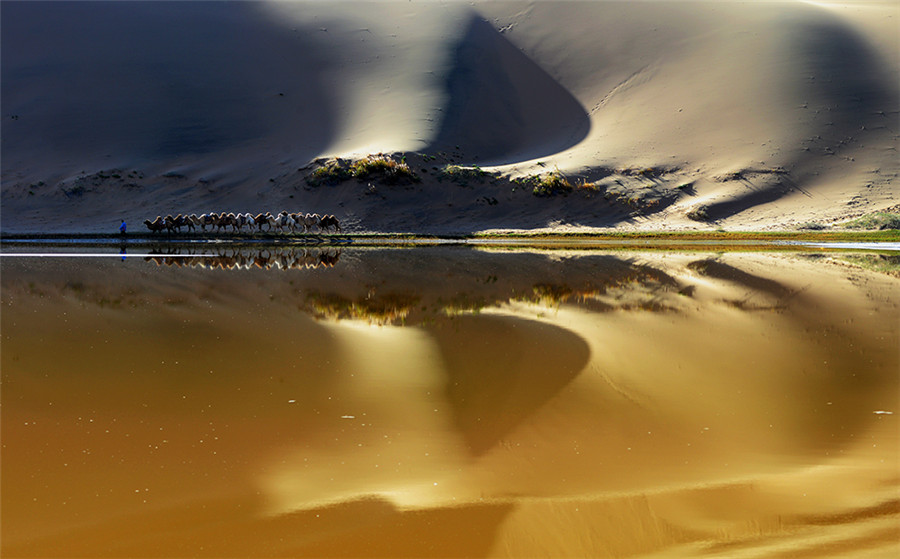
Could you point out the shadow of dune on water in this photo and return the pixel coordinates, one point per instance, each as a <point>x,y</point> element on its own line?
<point>499,372</point>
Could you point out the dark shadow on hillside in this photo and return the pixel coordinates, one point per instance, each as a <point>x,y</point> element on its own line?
<point>501,106</point>
<point>159,80</point>
<point>851,101</point>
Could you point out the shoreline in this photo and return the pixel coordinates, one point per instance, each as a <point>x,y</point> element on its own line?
<point>692,241</point>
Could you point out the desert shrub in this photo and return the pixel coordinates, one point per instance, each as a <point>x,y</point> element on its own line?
<point>384,167</point>
<point>381,167</point>
<point>462,175</point>
<point>699,213</point>
<point>551,184</point>
<point>811,226</point>
<point>587,185</point>
<point>877,220</point>
<point>331,173</point>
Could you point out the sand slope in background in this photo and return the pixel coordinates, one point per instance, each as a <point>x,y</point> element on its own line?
<point>775,113</point>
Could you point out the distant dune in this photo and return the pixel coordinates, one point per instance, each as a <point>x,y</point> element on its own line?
<point>669,115</point>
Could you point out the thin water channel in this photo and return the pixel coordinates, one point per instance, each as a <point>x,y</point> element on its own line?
<point>448,401</point>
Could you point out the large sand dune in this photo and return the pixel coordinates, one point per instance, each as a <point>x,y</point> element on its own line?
<point>775,114</point>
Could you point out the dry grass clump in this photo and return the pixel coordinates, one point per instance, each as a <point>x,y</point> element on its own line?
<point>877,221</point>
<point>587,186</point>
<point>462,175</point>
<point>549,184</point>
<point>331,173</point>
<point>699,213</point>
<point>379,167</point>
<point>385,168</point>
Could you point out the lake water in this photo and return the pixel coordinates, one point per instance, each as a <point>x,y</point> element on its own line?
<point>450,402</point>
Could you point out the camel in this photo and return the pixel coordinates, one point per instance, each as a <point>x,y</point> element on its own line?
<point>227,220</point>
<point>329,221</point>
<point>310,221</point>
<point>184,221</point>
<point>156,225</point>
<point>285,221</point>
<point>266,219</point>
<point>169,223</point>
<point>246,219</point>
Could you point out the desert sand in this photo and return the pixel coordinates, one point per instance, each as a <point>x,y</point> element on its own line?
<point>749,115</point>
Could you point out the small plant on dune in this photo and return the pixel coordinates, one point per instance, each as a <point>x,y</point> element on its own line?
<point>587,185</point>
<point>331,173</point>
<point>462,175</point>
<point>700,213</point>
<point>877,220</point>
<point>811,226</point>
<point>551,184</point>
<point>381,166</point>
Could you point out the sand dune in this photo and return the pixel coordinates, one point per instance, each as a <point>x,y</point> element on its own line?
<point>776,113</point>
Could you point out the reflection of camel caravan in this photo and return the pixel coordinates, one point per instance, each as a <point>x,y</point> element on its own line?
<point>284,222</point>
<point>282,258</point>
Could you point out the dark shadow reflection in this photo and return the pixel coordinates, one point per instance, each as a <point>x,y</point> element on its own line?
<point>280,258</point>
<point>500,372</point>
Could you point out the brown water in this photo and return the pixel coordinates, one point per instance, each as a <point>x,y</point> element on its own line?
<point>450,402</point>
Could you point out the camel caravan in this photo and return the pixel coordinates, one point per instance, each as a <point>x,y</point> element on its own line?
<point>284,222</point>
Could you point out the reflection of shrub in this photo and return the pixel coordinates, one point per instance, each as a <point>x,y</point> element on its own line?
<point>884,263</point>
<point>384,309</point>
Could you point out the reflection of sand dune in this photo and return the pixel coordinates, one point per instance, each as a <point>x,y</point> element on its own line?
<point>692,427</point>
<point>499,372</point>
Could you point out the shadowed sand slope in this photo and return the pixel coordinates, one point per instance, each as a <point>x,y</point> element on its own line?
<point>774,113</point>
<point>114,83</point>
<point>501,106</point>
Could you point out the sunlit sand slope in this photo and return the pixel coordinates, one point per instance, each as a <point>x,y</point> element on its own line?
<point>773,113</point>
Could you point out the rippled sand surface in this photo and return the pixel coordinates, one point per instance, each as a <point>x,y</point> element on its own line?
<point>451,402</point>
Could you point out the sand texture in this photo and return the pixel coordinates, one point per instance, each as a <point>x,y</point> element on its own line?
<point>672,115</point>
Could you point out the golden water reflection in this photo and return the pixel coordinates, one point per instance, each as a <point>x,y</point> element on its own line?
<point>451,402</point>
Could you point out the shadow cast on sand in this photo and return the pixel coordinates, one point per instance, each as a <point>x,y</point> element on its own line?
<point>851,101</point>
<point>529,114</point>
<point>149,84</point>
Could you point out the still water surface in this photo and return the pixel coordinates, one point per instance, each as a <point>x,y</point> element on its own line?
<point>450,402</point>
